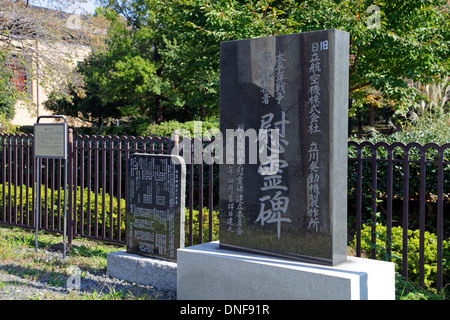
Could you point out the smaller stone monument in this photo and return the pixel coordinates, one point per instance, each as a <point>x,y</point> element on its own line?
<point>155,221</point>
<point>155,205</point>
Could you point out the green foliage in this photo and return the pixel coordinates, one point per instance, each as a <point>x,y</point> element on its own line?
<point>396,245</point>
<point>6,126</point>
<point>166,129</point>
<point>7,104</point>
<point>9,94</point>
<point>163,63</point>
<point>417,135</point>
<point>101,203</point>
<point>433,126</point>
<point>141,126</point>
<point>398,185</point>
<point>92,105</point>
<point>52,210</point>
<point>196,226</point>
<point>405,290</point>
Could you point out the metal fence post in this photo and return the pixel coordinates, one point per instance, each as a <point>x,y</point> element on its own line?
<point>70,173</point>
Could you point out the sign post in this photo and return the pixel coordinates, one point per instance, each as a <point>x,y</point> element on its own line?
<point>50,141</point>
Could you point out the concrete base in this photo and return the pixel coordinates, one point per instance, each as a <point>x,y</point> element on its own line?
<point>206,272</point>
<point>143,270</point>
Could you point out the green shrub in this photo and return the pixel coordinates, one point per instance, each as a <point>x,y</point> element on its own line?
<point>51,210</point>
<point>166,129</point>
<point>414,178</point>
<point>89,210</point>
<point>196,226</point>
<point>398,154</point>
<point>103,205</point>
<point>430,252</point>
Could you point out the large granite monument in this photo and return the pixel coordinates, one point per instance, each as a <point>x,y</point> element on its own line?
<point>155,205</point>
<point>292,201</point>
<point>283,190</point>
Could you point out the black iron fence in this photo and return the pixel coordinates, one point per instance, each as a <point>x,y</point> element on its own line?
<point>403,188</point>
<point>97,169</point>
<point>396,186</point>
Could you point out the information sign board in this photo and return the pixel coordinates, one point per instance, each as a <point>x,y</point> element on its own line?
<point>50,140</point>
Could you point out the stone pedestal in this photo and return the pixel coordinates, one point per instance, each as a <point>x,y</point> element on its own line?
<point>207,272</point>
<point>155,272</point>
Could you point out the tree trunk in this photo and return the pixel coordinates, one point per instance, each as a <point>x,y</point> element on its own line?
<point>159,111</point>
<point>159,74</point>
<point>202,113</point>
<point>372,112</point>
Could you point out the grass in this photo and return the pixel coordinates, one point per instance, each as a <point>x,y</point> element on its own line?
<point>405,290</point>
<point>19,258</point>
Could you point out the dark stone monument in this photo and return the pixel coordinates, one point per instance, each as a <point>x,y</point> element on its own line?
<point>296,206</point>
<point>155,205</point>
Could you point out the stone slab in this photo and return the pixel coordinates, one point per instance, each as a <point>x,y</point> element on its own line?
<point>155,205</point>
<point>293,205</point>
<point>207,272</point>
<point>135,268</point>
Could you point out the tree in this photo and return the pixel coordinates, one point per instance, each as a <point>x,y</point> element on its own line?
<point>30,47</point>
<point>132,73</point>
<point>90,105</point>
<point>163,56</point>
<point>8,92</point>
<point>392,44</point>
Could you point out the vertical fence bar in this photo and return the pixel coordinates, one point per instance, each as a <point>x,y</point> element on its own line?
<point>152,146</point>
<point>38,201</point>
<point>46,196</point>
<point>39,196</point>
<point>9,179</point>
<point>16,173</point>
<point>210,184</point>
<point>104,186</point>
<point>33,190</point>
<point>4,162</point>
<point>67,189</point>
<point>405,211</point>
<point>70,172</point>
<point>79,147</point>
<point>111,188</point>
<point>423,173</point>
<point>21,170</point>
<point>96,161</point>
<point>374,199</point>
<point>74,204</point>
<point>127,156</point>
<point>191,195</point>
<point>89,184</point>
<point>119,189</point>
<point>60,186</point>
<point>389,202</point>
<point>27,180</point>
<point>200,189</point>
<point>359,202</point>
<point>440,218</point>
<point>52,196</point>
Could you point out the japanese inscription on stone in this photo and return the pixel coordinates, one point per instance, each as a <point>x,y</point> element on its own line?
<point>155,205</point>
<point>292,90</point>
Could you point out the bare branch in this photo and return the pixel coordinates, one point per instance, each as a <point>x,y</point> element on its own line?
<point>48,41</point>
